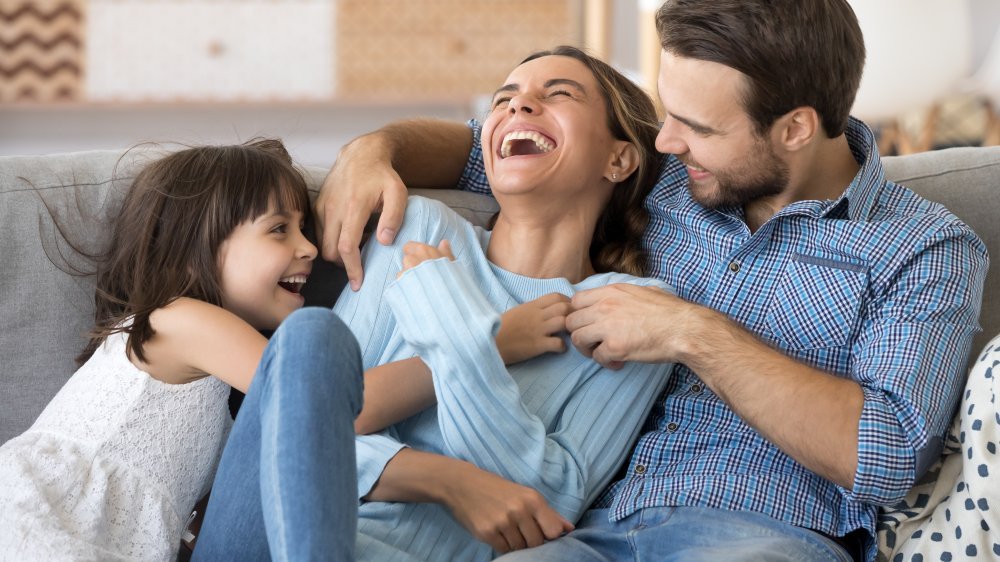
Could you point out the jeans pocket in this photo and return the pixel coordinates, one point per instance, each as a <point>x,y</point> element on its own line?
<point>816,302</point>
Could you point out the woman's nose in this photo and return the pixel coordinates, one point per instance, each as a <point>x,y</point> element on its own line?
<point>521,103</point>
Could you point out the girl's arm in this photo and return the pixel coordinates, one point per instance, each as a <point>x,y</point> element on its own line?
<point>194,338</point>
<point>394,392</point>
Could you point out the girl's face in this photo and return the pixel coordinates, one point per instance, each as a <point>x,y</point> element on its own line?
<point>263,265</point>
<point>548,127</point>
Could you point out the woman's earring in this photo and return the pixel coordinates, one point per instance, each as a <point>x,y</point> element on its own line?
<point>614,177</point>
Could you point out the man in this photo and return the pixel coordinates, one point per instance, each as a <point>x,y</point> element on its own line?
<point>823,315</point>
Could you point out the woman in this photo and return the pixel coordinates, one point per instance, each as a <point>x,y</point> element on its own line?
<point>570,164</point>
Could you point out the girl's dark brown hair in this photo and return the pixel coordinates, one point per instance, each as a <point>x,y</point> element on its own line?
<point>617,243</point>
<point>177,213</point>
<point>794,53</point>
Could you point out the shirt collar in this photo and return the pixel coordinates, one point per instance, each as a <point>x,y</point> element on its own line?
<point>863,193</point>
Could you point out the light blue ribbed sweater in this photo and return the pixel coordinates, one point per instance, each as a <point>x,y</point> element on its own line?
<point>559,423</point>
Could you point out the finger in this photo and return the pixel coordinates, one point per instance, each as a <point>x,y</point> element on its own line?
<point>349,245</point>
<point>350,256</point>
<point>554,345</point>
<point>604,357</point>
<point>550,299</point>
<point>445,248</point>
<point>581,318</point>
<point>586,339</point>
<point>560,309</point>
<point>393,210</point>
<point>552,524</point>
<point>512,534</point>
<point>553,326</point>
<point>590,297</point>
<point>496,541</point>
<point>532,533</point>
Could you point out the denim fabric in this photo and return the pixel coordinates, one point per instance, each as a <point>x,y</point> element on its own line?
<point>288,468</point>
<point>688,534</point>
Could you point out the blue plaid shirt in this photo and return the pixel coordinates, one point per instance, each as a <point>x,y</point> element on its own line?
<point>879,286</point>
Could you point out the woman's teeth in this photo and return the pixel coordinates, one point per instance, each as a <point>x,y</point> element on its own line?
<point>538,143</point>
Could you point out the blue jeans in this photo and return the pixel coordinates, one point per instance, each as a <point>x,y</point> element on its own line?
<point>689,534</point>
<point>286,487</point>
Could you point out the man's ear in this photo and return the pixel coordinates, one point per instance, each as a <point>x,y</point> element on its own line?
<point>797,128</point>
<point>624,161</point>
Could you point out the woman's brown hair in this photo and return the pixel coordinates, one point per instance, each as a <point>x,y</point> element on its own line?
<point>177,213</point>
<point>617,243</point>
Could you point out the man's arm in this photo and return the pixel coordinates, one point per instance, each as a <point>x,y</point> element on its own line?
<point>373,171</point>
<point>873,432</point>
<point>774,394</point>
<point>505,515</point>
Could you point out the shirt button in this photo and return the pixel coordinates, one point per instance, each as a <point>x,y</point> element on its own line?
<point>696,388</point>
<point>672,427</point>
<point>734,266</point>
<point>640,469</point>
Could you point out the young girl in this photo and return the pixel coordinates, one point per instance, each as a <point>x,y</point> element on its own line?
<point>570,159</point>
<point>207,250</point>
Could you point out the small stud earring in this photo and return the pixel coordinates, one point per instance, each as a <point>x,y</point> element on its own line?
<point>614,177</point>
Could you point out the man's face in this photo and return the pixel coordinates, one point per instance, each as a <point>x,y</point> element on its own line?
<point>706,127</point>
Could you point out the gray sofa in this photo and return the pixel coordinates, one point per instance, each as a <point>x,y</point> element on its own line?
<point>46,308</point>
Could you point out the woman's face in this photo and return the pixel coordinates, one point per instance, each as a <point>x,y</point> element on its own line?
<point>548,130</point>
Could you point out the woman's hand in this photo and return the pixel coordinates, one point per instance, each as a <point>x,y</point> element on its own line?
<point>505,515</point>
<point>533,328</point>
<point>415,253</point>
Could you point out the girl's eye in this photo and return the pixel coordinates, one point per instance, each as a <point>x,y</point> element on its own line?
<point>280,229</point>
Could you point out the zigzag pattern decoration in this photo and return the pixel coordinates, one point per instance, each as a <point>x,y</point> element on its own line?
<point>41,50</point>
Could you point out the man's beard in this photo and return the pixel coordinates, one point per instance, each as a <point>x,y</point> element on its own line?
<point>760,174</point>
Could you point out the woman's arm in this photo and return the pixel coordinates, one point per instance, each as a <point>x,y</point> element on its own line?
<point>441,311</point>
<point>505,515</point>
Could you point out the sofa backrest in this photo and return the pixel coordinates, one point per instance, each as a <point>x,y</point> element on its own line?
<point>45,310</point>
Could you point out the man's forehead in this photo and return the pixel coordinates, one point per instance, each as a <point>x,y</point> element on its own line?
<point>699,89</point>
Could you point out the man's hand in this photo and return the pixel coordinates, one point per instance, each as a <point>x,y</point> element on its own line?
<point>625,322</point>
<point>416,253</point>
<point>502,514</point>
<point>361,182</point>
<point>533,328</point>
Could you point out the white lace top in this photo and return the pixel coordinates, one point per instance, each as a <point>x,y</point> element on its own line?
<point>113,466</point>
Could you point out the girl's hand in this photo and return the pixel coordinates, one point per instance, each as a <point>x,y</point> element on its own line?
<point>533,328</point>
<point>415,253</point>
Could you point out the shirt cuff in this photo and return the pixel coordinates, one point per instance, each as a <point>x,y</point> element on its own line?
<point>373,453</point>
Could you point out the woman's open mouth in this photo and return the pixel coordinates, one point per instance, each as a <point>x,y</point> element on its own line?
<point>521,143</point>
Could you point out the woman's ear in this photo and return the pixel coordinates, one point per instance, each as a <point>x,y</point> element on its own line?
<point>624,161</point>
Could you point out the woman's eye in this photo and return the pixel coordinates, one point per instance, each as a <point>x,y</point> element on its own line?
<point>560,93</point>
<point>500,103</point>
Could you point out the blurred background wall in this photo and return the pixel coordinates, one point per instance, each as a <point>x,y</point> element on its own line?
<point>93,74</point>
